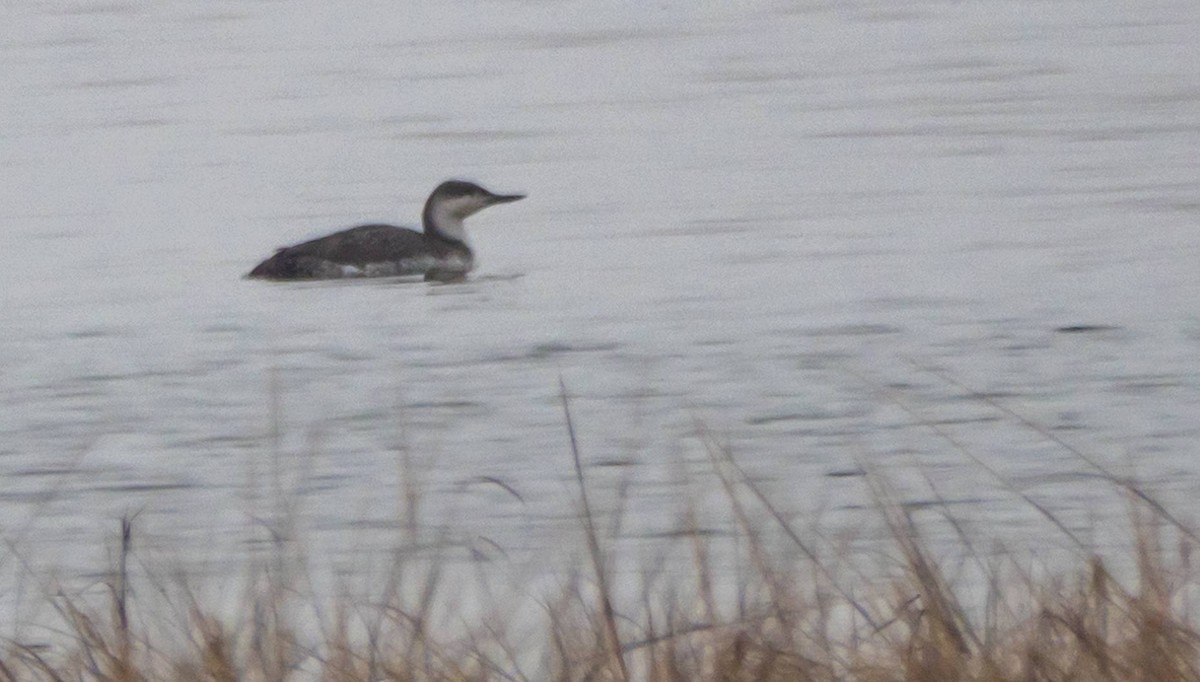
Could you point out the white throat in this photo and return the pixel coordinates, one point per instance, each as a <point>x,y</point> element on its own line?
<point>448,224</point>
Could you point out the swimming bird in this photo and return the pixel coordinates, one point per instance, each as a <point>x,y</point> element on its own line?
<point>440,253</point>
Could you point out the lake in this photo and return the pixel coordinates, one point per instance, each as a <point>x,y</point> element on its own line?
<point>837,236</point>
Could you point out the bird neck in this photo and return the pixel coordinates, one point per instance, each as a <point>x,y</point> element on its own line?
<point>440,222</point>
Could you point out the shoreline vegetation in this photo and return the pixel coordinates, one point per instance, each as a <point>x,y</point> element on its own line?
<point>796,610</point>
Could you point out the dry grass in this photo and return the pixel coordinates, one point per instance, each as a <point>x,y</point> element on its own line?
<point>805,620</point>
<point>796,614</point>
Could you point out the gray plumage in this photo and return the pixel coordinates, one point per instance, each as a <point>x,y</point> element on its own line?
<point>440,252</point>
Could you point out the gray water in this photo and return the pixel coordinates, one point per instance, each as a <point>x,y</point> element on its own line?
<point>769,220</point>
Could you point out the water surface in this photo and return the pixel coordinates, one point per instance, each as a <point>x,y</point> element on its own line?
<point>770,220</point>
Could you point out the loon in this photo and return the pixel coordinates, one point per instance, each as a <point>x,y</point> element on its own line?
<point>440,252</point>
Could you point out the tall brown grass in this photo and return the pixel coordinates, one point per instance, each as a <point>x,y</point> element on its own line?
<point>796,612</point>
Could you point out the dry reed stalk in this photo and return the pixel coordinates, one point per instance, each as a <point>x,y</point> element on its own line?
<point>608,614</point>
